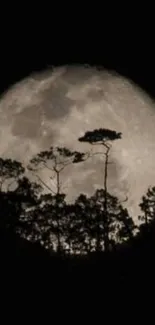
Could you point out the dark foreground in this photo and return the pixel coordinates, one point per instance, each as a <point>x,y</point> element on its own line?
<point>30,267</point>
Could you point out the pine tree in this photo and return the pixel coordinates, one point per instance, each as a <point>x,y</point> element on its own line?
<point>102,137</point>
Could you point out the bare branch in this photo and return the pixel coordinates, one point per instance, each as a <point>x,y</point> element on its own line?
<point>97,153</point>
<point>89,155</point>
<point>67,164</point>
<point>61,169</point>
<point>107,145</point>
<point>54,183</point>
<point>55,169</point>
<point>50,168</point>
<point>45,184</point>
<point>36,168</point>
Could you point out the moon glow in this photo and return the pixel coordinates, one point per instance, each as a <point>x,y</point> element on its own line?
<point>58,106</point>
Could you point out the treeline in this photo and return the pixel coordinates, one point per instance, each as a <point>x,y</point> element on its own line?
<point>98,223</point>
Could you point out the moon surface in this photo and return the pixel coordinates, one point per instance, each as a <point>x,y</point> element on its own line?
<point>56,107</point>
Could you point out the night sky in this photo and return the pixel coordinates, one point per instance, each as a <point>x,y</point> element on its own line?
<point>35,38</point>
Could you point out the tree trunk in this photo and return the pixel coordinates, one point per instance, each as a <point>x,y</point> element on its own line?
<point>58,182</point>
<point>58,240</point>
<point>98,237</point>
<point>105,215</point>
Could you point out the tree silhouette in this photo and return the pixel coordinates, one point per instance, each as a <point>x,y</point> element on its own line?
<point>87,219</point>
<point>147,225</point>
<point>72,230</point>
<point>76,228</point>
<point>87,225</point>
<point>126,227</point>
<point>16,195</point>
<point>91,224</point>
<point>67,230</point>
<point>16,205</point>
<point>102,137</point>
<point>56,159</point>
<point>148,206</point>
<point>10,170</point>
<point>53,213</point>
<point>59,159</point>
<point>27,196</point>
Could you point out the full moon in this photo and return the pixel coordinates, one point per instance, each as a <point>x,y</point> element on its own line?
<point>56,107</point>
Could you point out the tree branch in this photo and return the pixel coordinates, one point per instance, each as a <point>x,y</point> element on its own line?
<point>45,184</point>
<point>50,168</point>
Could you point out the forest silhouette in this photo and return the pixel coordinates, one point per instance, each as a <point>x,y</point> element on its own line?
<point>94,238</point>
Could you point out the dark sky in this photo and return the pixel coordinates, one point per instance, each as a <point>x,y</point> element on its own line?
<point>116,38</point>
